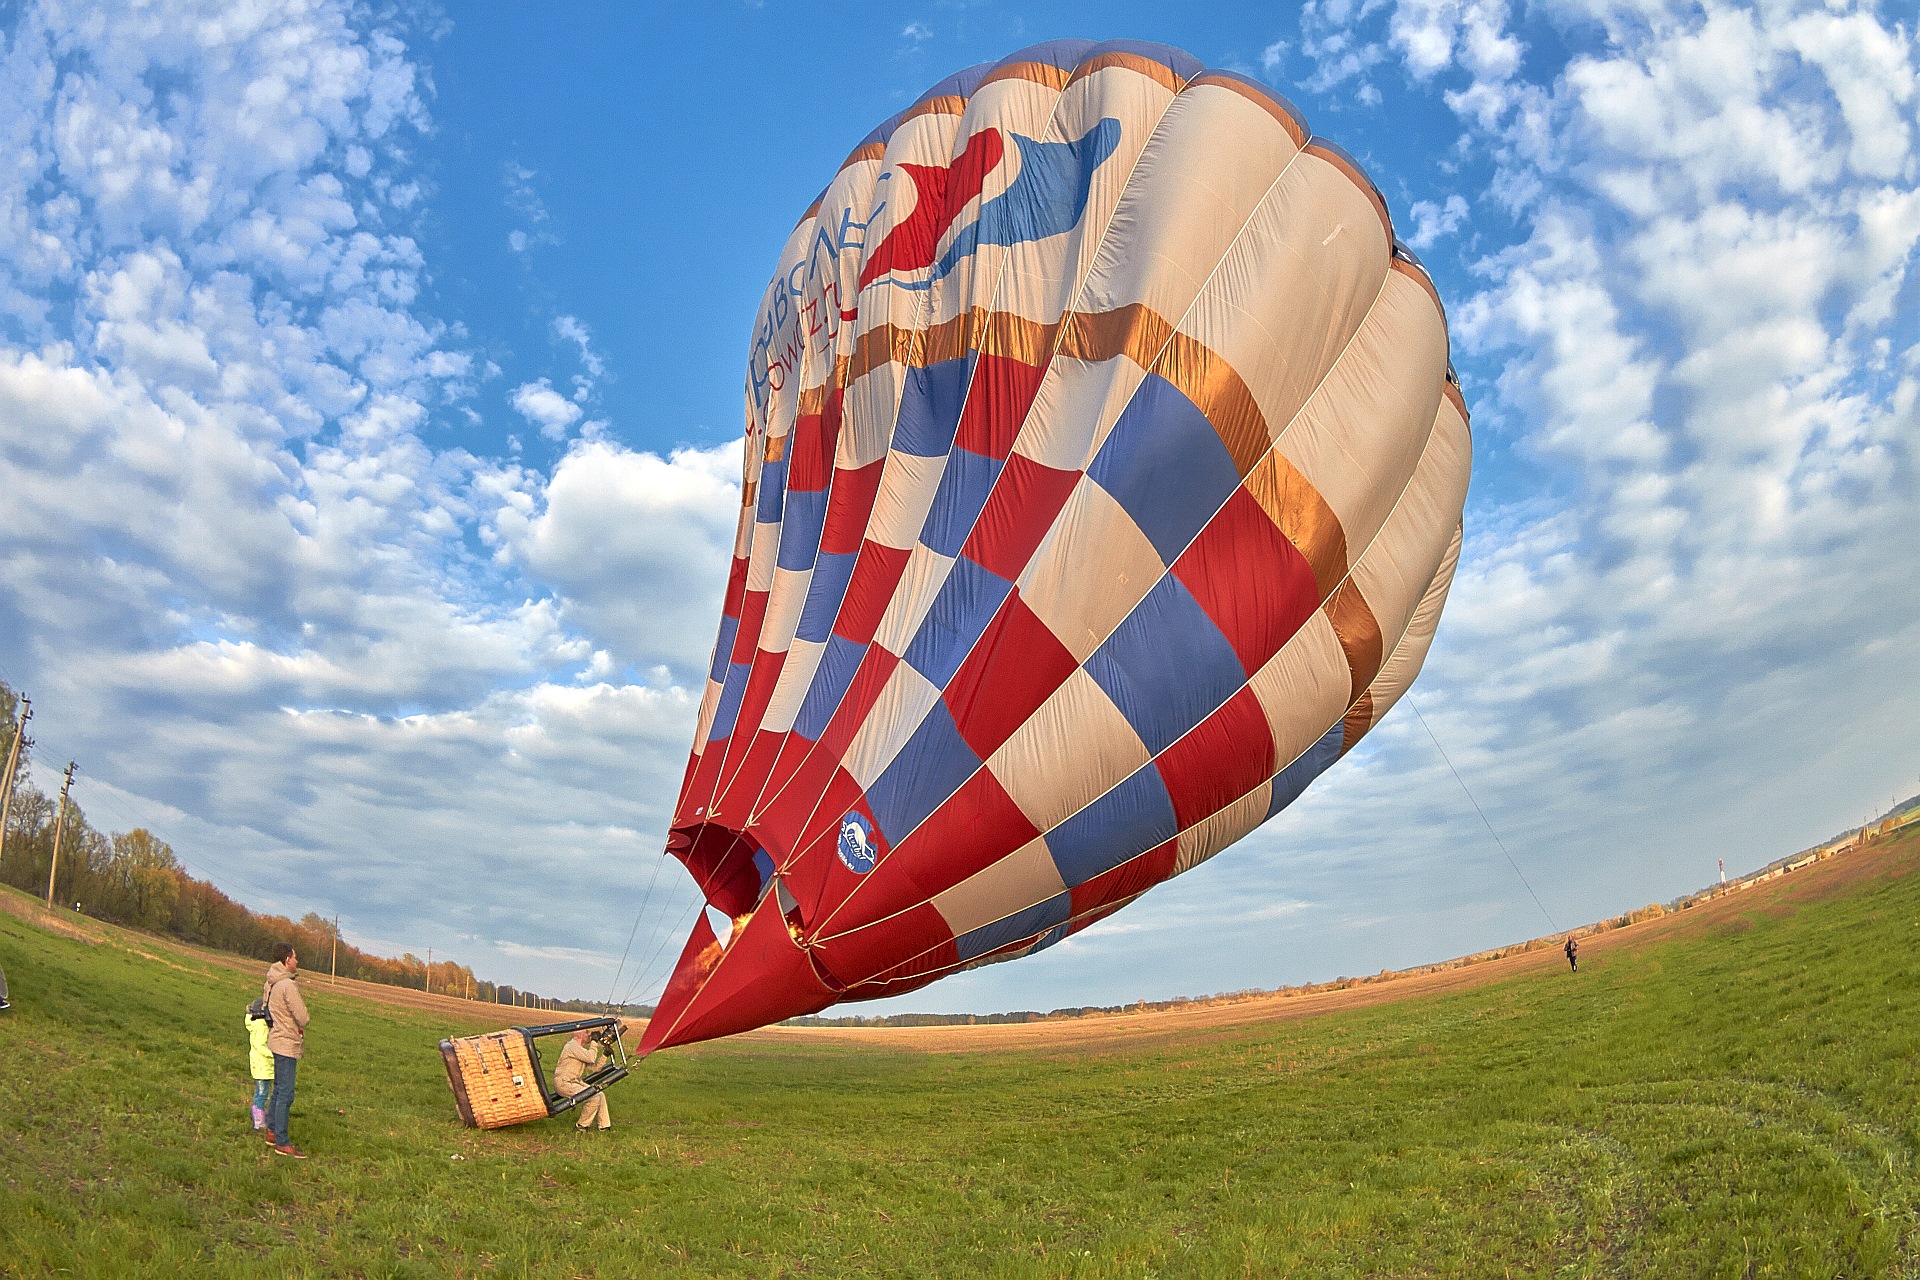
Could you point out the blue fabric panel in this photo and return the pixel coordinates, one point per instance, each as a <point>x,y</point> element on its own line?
<point>930,407</point>
<point>731,694</point>
<point>956,503</point>
<point>1124,823</point>
<point>830,681</point>
<point>1296,777</point>
<point>764,865</point>
<point>929,768</point>
<point>967,601</point>
<point>1167,667</point>
<point>1050,937</point>
<point>800,526</point>
<point>1046,198</point>
<point>1021,924</point>
<point>1166,466</point>
<point>729,628</point>
<point>773,489</point>
<point>825,590</point>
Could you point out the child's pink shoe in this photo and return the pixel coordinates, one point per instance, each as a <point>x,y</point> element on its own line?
<point>259,1118</point>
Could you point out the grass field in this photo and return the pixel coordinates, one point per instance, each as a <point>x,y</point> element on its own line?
<point>1734,1097</point>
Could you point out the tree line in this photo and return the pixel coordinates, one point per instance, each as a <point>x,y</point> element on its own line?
<point>134,878</point>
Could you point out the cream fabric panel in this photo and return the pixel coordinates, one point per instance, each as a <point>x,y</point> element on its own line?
<point>897,712</point>
<point>709,707</point>
<point>1397,673</point>
<point>907,487</point>
<point>1304,688</point>
<point>920,582</point>
<point>1014,883</point>
<point>784,603</point>
<point>1089,571</point>
<point>1183,208</point>
<point>796,677</point>
<point>1068,752</point>
<point>1076,398</point>
<point>1396,570</point>
<point>764,557</point>
<point>1212,834</point>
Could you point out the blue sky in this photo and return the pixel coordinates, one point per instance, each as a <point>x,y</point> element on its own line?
<point>370,396</point>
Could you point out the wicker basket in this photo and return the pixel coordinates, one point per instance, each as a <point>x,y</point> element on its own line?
<point>496,1079</point>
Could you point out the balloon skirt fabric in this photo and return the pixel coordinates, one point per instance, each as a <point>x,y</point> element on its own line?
<point>1103,486</point>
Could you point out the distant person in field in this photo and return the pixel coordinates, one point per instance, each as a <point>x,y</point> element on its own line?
<point>259,1062</point>
<point>287,1040</point>
<point>1573,953</point>
<point>578,1056</point>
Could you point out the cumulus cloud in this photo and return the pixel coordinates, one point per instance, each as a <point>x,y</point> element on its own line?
<point>228,522</point>
<point>545,408</point>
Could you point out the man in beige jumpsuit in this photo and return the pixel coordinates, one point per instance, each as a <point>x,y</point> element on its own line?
<point>577,1057</point>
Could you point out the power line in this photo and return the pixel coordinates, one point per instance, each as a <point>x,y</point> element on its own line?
<point>1551,924</point>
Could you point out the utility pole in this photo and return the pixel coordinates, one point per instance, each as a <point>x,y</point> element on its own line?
<point>429,970</point>
<point>333,977</point>
<point>20,739</point>
<point>59,830</point>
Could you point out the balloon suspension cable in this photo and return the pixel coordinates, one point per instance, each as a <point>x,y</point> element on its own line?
<point>640,979</point>
<point>645,898</point>
<point>1551,923</point>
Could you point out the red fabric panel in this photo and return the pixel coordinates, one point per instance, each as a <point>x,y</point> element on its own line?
<point>815,874</point>
<point>972,829</point>
<point>706,775</point>
<point>1017,516</point>
<point>1135,875</point>
<point>1253,583</point>
<point>997,403</point>
<point>883,947</point>
<point>1224,756</point>
<point>1013,668</point>
<point>736,587</point>
<point>849,509</point>
<point>746,785</point>
<point>875,574</point>
<point>753,611</point>
<point>762,976</point>
<point>753,705</point>
<point>810,451</point>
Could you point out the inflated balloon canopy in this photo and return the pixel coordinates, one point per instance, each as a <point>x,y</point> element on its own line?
<point>1103,485</point>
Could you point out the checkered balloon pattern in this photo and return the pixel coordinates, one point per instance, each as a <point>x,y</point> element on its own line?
<point>1103,486</point>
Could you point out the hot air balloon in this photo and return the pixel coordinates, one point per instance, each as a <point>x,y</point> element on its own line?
<point>1103,486</point>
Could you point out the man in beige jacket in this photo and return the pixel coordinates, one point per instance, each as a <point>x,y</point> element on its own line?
<point>287,1040</point>
<point>577,1057</point>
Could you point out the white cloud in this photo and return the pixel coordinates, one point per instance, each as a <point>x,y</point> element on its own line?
<point>1432,221</point>
<point>545,408</point>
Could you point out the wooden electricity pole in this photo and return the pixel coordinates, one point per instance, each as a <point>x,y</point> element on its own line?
<point>333,976</point>
<point>429,970</point>
<point>59,830</point>
<point>20,739</point>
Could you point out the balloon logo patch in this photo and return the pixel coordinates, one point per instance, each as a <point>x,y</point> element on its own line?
<point>856,843</point>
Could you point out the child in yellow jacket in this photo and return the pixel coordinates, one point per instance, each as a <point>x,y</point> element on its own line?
<point>260,1064</point>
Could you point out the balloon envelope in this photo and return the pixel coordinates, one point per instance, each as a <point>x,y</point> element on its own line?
<point>1103,486</point>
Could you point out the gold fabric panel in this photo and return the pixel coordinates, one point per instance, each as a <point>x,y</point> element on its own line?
<point>1217,390</point>
<point>1039,72</point>
<point>1359,633</point>
<point>1354,725</point>
<point>1292,502</point>
<point>1148,67</point>
<point>776,448</point>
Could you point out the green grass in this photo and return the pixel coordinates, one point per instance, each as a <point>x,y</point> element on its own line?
<point>1738,1101</point>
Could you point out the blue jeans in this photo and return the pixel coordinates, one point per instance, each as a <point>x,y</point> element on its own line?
<point>283,1069</point>
<point>262,1090</point>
